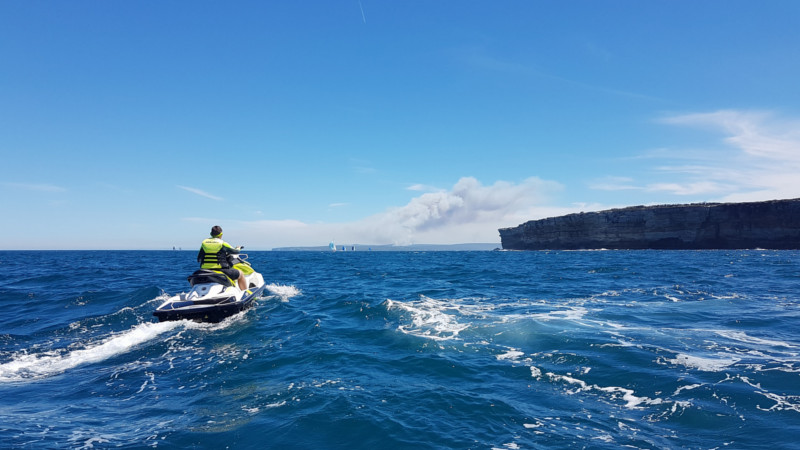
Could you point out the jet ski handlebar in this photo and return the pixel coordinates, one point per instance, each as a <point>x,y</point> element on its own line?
<point>236,258</point>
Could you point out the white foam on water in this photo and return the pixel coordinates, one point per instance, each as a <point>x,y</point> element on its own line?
<point>725,297</point>
<point>627,395</point>
<point>704,364</point>
<point>257,409</point>
<point>24,366</point>
<point>432,319</point>
<point>567,379</point>
<point>605,437</point>
<point>782,402</point>
<point>283,292</point>
<point>445,319</point>
<point>744,337</point>
<point>151,380</point>
<point>511,355</point>
<point>574,314</point>
<point>89,442</point>
<point>686,388</point>
<point>631,400</point>
<point>510,445</point>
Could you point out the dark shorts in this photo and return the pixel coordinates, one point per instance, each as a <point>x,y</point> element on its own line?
<point>233,274</point>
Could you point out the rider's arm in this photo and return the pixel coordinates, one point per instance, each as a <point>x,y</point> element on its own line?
<point>229,249</point>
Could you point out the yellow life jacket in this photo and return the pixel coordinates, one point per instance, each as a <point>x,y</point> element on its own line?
<point>213,256</point>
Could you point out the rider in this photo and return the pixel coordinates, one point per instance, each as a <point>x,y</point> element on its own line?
<point>214,253</point>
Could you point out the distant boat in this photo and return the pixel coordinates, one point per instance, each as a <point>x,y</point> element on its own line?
<point>332,246</point>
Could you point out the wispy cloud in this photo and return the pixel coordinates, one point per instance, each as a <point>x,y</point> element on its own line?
<point>363,16</point>
<point>200,193</point>
<point>337,205</point>
<point>760,158</point>
<point>422,188</point>
<point>35,187</point>
<point>756,158</point>
<point>757,133</point>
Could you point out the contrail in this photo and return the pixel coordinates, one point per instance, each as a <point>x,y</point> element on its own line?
<point>363,17</point>
<point>200,193</point>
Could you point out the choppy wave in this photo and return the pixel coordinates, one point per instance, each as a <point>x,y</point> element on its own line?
<point>414,350</point>
<point>685,353</point>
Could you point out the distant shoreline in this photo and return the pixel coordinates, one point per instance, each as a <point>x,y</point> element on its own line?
<point>395,248</point>
<point>349,248</point>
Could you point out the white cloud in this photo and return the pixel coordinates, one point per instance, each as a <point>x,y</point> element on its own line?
<point>758,133</point>
<point>422,188</point>
<point>765,160</point>
<point>200,193</point>
<point>759,159</point>
<point>469,212</point>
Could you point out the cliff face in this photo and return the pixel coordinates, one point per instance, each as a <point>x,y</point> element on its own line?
<point>769,225</point>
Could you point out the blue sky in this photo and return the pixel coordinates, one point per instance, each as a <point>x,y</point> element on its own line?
<point>139,125</point>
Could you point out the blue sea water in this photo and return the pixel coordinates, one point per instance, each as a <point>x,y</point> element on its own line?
<point>430,350</point>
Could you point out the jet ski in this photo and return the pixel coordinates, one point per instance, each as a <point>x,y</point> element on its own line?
<point>214,296</point>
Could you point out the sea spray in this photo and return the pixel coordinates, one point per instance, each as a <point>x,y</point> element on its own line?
<point>284,293</point>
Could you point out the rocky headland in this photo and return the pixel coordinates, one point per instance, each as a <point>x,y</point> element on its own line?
<point>769,225</point>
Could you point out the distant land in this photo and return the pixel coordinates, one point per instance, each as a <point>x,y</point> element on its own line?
<point>395,248</point>
<point>768,225</point>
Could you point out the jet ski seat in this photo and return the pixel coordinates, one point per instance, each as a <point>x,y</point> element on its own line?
<point>202,276</point>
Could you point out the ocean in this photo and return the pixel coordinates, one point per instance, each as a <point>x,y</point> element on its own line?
<point>406,350</point>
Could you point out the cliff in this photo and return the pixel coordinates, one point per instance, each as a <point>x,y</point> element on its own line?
<point>769,225</point>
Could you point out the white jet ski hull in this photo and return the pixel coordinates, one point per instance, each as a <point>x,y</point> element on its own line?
<point>211,299</point>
